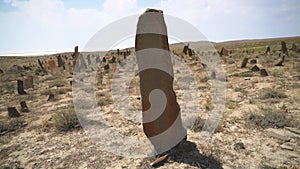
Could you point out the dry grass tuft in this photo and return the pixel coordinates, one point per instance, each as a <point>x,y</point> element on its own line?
<point>271,93</point>
<point>269,117</point>
<point>66,120</point>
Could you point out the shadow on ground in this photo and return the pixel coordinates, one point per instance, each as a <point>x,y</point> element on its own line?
<point>186,153</point>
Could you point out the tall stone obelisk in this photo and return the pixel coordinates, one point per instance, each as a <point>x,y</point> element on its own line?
<point>162,122</point>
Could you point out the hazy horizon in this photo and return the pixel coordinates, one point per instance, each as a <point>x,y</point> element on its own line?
<point>67,50</point>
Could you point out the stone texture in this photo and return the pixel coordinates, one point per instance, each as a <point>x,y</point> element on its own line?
<point>13,112</point>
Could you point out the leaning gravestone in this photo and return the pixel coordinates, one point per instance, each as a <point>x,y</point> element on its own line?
<point>24,107</point>
<point>13,112</point>
<point>263,72</point>
<point>284,48</point>
<point>21,88</point>
<point>41,65</point>
<point>153,77</point>
<point>244,63</point>
<point>223,52</point>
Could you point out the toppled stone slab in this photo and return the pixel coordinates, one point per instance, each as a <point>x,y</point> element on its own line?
<point>277,134</point>
<point>292,129</point>
<point>287,146</point>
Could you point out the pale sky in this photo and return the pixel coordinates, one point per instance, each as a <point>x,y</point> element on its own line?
<point>62,24</point>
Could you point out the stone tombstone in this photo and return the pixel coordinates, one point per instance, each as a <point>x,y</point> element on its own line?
<point>50,97</point>
<point>106,68</point>
<point>253,61</point>
<point>41,65</point>
<point>75,55</point>
<point>88,57</point>
<point>284,48</point>
<point>124,55</point>
<point>24,107</point>
<point>185,49</point>
<point>60,61</point>
<point>154,79</point>
<point>295,47</point>
<point>104,59</point>
<point>13,112</point>
<point>113,59</point>
<point>98,59</point>
<point>255,68</point>
<point>263,72</point>
<point>223,52</point>
<point>244,63</point>
<point>53,68</point>
<point>268,50</point>
<point>190,52</point>
<point>21,87</point>
<point>28,82</point>
<point>118,52</point>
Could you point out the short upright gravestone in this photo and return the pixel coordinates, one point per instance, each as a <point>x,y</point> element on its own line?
<point>28,82</point>
<point>21,87</point>
<point>263,72</point>
<point>24,107</point>
<point>13,112</point>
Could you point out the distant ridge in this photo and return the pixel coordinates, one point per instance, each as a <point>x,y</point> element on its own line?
<point>228,44</point>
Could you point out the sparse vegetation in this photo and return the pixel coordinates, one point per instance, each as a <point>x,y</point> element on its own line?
<point>66,120</point>
<point>278,73</point>
<point>271,93</point>
<point>268,117</point>
<point>204,79</point>
<point>198,124</point>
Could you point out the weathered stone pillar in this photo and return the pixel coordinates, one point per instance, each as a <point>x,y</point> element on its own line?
<point>284,48</point>
<point>161,113</point>
<point>21,87</point>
